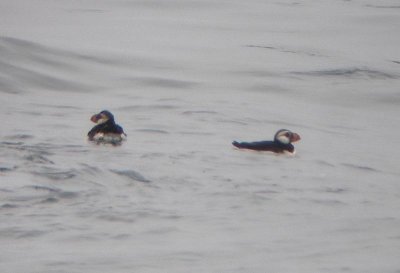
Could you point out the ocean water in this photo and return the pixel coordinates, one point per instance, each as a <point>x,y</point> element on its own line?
<point>184,79</point>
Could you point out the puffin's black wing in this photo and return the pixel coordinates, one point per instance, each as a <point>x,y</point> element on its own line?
<point>258,145</point>
<point>96,129</point>
<point>270,146</point>
<point>119,130</point>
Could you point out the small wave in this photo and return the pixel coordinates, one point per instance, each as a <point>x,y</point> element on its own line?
<point>195,133</point>
<point>349,73</point>
<point>382,6</point>
<point>42,188</point>
<point>39,194</point>
<point>89,169</point>
<point>160,82</point>
<point>19,137</point>
<point>335,190</point>
<point>200,112</point>
<point>20,233</point>
<point>232,121</point>
<point>147,107</point>
<point>55,174</point>
<point>131,174</point>
<point>37,158</point>
<point>36,67</point>
<point>50,200</point>
<point>54,192</point>
<point>153,155</point>
<point>7,169</point>
<point>359,167</point>
<point>67,194</point>
<point>152,131</point>
<point>8,206</point>
<point>115,218</point>
<point>20,78</point>
<point>324,163</point>
<point>161,230</point>
<point>40,148</point>
<point>86,10</point>
<point>52,106</point>
<point>286,50</point>
<point>121,236</point>
<point>328,202</point>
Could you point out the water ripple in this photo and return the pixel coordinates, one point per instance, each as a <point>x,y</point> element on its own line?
<point>131,174</point>
<point>349,73</point>
<point>55,174</point>
<point>159,82</point>
<point>152,131</point>
<point>199,112</point>
<point>42,194</point>
<point>359,167</point>
<point>287,50</point>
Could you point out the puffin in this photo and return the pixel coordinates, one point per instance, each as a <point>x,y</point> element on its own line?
<point>106,130</point>
<point>282,143</point>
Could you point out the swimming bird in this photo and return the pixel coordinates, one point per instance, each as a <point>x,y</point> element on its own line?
<point>282,143</point>
<point>106,130</point>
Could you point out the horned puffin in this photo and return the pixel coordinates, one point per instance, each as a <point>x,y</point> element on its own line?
<point>282,143</point>
<point>106,130</point>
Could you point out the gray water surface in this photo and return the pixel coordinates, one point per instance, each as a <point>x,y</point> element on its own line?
<point>184,79</point>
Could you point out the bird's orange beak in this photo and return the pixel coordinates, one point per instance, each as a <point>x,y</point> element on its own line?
<point>295,137</point>
<point>95,118</point>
